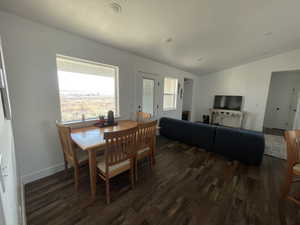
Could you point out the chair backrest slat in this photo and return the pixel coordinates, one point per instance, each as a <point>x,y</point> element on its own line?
<point>64,133</point>
<point>120,145</point>
<point>292,138</point>
<point>146,134</point>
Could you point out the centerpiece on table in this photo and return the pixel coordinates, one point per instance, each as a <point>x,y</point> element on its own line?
<point>110,121</point>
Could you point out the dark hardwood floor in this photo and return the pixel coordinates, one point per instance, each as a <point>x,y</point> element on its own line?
<point>187,186</point>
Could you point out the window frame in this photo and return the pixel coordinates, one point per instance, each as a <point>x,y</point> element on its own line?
<point>116,68</point>
<point>175,95</point>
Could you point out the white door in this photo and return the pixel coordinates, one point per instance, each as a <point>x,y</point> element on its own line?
<point>148,89</point>
<point>296,124</point>
<point>9,207</point>
<point>293,107</point>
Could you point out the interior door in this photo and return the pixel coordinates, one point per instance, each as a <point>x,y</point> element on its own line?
<point>296,122</point>
<point>148,88</point>
<point>293,107</point>
<point>9,204</point>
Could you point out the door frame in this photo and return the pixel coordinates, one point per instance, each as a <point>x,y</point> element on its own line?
<point>157,89</point>
<point>192,97</point>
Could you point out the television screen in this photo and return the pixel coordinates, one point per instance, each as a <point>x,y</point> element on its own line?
<point>228,102</point>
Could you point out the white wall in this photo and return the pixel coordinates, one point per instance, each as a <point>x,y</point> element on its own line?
<point>280,96</point>
<point>251,81</point>
<point>30,50</point>
<point>188,95</point>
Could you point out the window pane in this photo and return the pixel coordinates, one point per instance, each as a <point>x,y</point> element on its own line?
<point>148,96</point>
<point>170,93</point>
<point>170,86</point>
<point>168,101</point>
<point>86,93</point>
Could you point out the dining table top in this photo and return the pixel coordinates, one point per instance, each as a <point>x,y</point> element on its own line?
<point>92,137</point>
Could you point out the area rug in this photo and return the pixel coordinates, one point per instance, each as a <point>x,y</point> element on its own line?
<point>275,146</point>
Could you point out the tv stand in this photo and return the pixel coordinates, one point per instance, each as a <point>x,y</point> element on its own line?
<point>228,118</point>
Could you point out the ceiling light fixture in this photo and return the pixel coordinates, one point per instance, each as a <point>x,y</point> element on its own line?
<point>168,40</point>
<point>116,8</point>
<point>268,33</point>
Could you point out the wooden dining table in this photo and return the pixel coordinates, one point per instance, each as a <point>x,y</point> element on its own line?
<point>91,139</point>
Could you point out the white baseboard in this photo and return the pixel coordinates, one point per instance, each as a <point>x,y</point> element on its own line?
<point>42,173</point>
<point>23,207</point>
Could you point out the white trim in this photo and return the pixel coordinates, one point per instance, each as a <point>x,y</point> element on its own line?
<point>169,109</point>
<point>116,79</point>
<point>42,173</point>
<point>85,123</point>
<point>86,61</point>
<point>175,107</point>
<point>23,212</point>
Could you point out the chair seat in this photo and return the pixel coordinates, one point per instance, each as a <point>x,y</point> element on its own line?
<point>296,169</point>
<point>113,170</point>
<point>143,152</point>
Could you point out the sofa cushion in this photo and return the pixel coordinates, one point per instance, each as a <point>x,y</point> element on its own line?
<point>243,145</point>
<point>198,134</point>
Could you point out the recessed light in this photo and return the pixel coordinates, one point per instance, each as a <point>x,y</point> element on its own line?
<point>168,40</point>
<point>268,33</point>
<point>116,8</point>
<point>200,59</point>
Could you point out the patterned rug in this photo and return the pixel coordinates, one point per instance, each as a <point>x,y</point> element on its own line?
<point>275,146</point>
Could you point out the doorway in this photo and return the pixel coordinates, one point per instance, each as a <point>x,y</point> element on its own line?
<point>187,99</point>
<point>148,94</point>
<point>282,102</point>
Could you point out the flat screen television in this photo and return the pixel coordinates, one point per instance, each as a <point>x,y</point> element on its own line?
<point>228,102</point>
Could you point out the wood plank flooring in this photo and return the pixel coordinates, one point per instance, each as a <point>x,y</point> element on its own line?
<point>188,186</point>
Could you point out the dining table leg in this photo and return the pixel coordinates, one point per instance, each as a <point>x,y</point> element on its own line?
<point>93,173</point>
<point>154,149</point>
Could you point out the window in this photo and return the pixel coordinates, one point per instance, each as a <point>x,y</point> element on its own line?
<point>86,88</point>
<point>170,93</point>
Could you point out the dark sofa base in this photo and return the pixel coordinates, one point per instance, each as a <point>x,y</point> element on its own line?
<point>235,144</point>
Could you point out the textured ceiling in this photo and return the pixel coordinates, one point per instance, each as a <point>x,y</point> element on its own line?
<point>222,34</point>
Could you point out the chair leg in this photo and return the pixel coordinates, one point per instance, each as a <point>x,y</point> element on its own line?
<point>287,185</point>
<point>76,177</point>
<point>153,157</point>
<point>66,166</point>
<point>132,177</point>
<point>136,169</point>
<point>298,195</point>
<point>107,191</point>
<point>151,161</point>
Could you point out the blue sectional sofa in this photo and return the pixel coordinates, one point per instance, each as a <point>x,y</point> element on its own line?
<point>235,144</point>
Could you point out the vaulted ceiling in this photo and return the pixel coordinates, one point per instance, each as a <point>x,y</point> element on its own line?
<point>200,36</point>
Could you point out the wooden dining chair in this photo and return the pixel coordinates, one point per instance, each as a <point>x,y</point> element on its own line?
<point>118,156</point>
<point>292,139</point>
<point>146,143</point>
<point>72,157</point>
<point>142,117</point>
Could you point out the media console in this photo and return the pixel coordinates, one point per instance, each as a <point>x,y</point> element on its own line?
<point>228,118</point>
